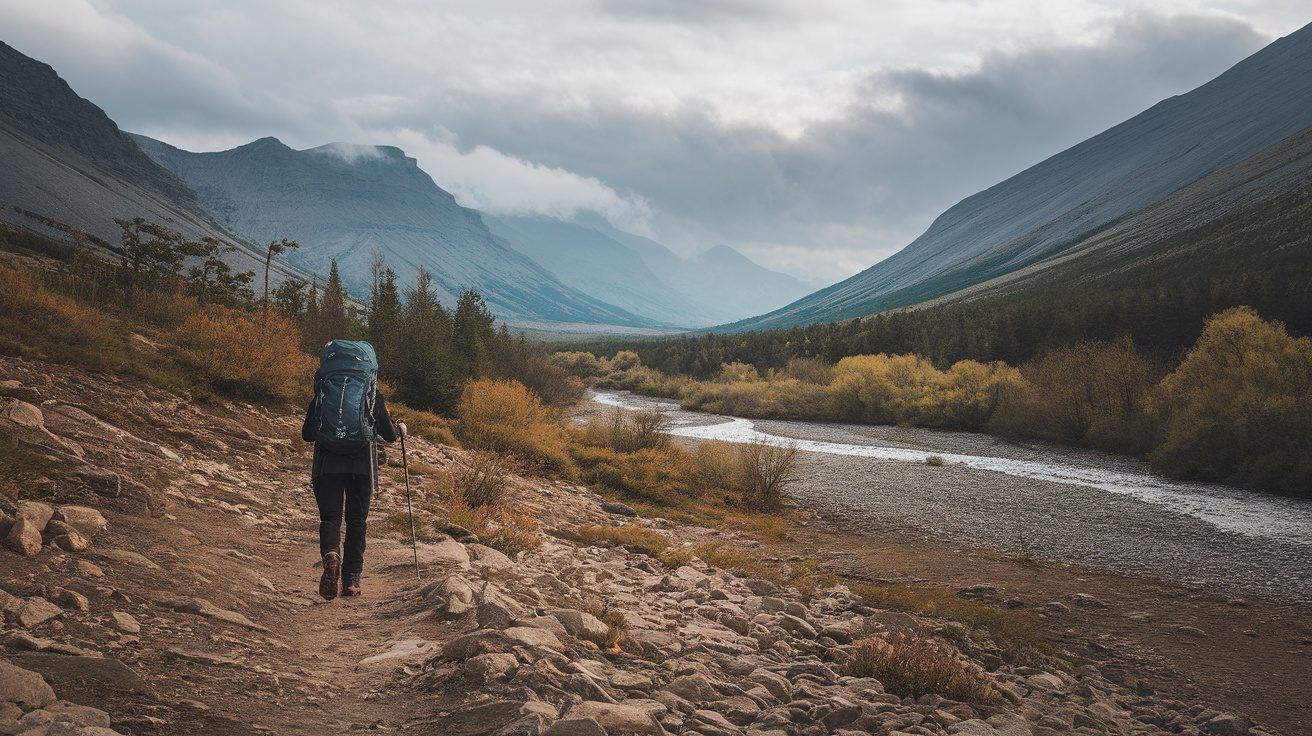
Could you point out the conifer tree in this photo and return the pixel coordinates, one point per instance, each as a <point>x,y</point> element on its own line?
<point>332,311</point>
<point>385,323</point>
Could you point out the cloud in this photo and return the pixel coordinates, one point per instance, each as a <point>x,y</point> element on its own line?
<point>818,137</point>
<point>500,184</point>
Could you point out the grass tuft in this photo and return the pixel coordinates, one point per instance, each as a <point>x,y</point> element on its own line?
<point>915,666</point>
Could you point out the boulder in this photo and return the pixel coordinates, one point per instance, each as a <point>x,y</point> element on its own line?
<point>628,717</point>
<point>493,667</point>
<point>489,561</point>
<point>24,537</point>
<point>494,616</point>
<point>619,509</point>
<point>126,623</point>
<point>693,688</point>
<point>581,624</point>
<point>35,611</point>
<point>71,541</point>
<point>1225,724</point>
<point>62,711</point>
<point>85,519</point>
<point>532,636</point>
<point>36,512</point>
<point>24,687</point>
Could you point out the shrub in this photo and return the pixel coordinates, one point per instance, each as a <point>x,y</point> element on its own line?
<point>482,480</point>
<point>504,417</point>
<point>719,465</point>
<point>257,357</point>
<point>935,461</point>
<point>424,424</point>
<point>550,382</point>
<point>44,325</point>
<point>915,666</point>
<point>1239,408</point>
<point>630,431</point>
<point>765,470</point>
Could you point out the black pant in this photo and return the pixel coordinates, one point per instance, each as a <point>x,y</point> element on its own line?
<point>333,492</point>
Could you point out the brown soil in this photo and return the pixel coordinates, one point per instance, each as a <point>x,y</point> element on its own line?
<point>1241,655</point>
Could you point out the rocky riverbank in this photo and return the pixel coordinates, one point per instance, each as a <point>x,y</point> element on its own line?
<point>192,609</point>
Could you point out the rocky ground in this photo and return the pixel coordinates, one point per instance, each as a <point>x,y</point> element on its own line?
<point>191,609</point>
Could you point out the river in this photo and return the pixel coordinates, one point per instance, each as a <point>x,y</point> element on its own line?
<point>1059,503</point>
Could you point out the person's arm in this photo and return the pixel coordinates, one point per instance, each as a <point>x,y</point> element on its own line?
<point>311,418</point>
<point>387,431</point>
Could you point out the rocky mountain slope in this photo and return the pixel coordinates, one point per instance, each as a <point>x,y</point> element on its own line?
<point>342,202</point>
<point>65,159</point>
<point>1120,183</point>
<point>168,588</point>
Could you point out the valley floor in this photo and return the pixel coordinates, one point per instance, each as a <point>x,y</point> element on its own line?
<point>195,611</point>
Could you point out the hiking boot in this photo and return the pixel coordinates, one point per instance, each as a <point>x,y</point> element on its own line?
<point>332,570</point>
<point>352,586</point>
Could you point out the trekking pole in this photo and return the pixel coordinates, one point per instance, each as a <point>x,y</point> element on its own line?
<point>414,541</point>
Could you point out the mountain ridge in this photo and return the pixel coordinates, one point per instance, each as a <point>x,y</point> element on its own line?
<point>1065,199</point>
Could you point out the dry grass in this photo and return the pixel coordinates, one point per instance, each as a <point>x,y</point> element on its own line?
<point>1017,632</point>
<point>481,480</point>
<point>499,527</point>
<point>239,353</point>
<point>426,424</point>
<point>915,666</point>
<point>803,574</point>
<point>21,468</point>
<point>632,537</point>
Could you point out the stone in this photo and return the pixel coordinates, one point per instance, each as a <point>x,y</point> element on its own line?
<point>24,687</point>
<point>972,727</point>
<point>71,542</point>
<point>458,533</point>
<point>406,649</point>
<point>653,643</point>
<point>693,688</point>
<point>453,595</point>
<point>488,560</point>
<point>1192,631</point>
<point>796,626</point>
<point>528,725</point>
<point>88,569</point>
<point>36,512</point>
<point>814,669</point>
<point>1225,724</point>
<point>628,717</point>
<point>104,483</point>
<point>24,537</point>
<point>126,623</point>
<point>88,521</point>
<point>495,667</point>
<point>760,587</point>
<point>35,611</point>
<point>128,558</point>
<point>619,509</point>
<point>549,623</point>
<point>202,607</point>
<point>575,727</point>
<point>70,599</point>
<point>1009,724</point>
<point>777,684</point>
<point>534,637</point>
<point>62,711</point>
<point>480,718</point>
<point>977,591</point>
<point>581,624</point>
<point>715,720</point>
<point>1084,599</point>
<point>494,616</point>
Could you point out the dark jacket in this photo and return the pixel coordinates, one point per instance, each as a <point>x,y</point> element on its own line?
<point>364,462</point>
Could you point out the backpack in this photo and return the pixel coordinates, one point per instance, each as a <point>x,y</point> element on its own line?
<point>345,388</point>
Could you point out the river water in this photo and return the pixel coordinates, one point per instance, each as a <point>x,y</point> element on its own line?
<point>1061,503</point>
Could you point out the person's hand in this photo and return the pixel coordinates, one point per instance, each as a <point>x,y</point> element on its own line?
<point>400,427</point>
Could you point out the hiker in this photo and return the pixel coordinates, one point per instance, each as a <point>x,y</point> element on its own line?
<point>345,417</point>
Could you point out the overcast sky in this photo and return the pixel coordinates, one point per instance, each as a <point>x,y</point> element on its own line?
<point>815,136</point>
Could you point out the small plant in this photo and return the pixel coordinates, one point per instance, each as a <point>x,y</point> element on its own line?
<point>766,470</point>
<point>630,431</point>
<point>637,538</point>
<point>1025,555</point>
<point>497,526</point>
<point>616,626</point>
<point>482,480</point>
<point>915,666</point>
<point>934,461</point>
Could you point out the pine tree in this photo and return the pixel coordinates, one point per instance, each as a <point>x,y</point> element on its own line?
<point>385,327</point>
<point>310,326</point>
<point>332,312</point>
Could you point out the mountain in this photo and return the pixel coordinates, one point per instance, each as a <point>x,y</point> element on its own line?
<point>65,160</point>
<point>1126,188</point>
<point>721,278</point>
<point>343,202</point>
<point>601,265</point>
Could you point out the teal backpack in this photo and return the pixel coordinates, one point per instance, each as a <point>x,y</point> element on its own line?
<point>345,389</point>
